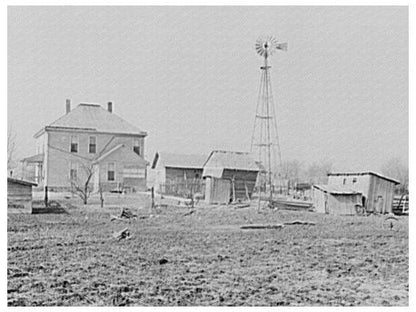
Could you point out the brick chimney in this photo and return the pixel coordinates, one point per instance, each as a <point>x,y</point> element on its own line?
<point>68,105</point>
<point>110,107</point>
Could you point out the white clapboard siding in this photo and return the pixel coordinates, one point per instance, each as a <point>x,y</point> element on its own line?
<point>138,173</point>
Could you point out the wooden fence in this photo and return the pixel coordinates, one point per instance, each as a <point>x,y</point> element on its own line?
<point>183,188</point>
<point>401,204</point>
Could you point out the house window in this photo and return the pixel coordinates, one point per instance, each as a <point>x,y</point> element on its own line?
<point>344,181</point>
<point>111,172</point>
<point>92,145</point>
<point>354,180</point>
<point>136,146</point>
<point>74,144</point>
<point>73,172</point>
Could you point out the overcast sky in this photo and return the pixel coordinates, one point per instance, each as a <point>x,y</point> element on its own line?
<point>189,76</point>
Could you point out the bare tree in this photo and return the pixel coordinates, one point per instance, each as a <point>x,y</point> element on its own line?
<point>291,170</point>
<point>11,146</point>
<point>396,169</point>
<point>81,185</point>
<point>318,172</point>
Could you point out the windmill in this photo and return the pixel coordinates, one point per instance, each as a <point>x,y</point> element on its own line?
<point>265,140</point>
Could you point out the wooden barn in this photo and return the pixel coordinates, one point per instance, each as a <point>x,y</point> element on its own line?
<point>337,200</point>
<point>377,190</point>
<point>230,177</point>
<point>19,196</point>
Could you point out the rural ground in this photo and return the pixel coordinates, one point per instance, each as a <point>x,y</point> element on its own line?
<point>174,258</point>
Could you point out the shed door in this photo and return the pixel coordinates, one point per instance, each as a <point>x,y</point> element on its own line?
<point>380,204</point>
<point>221,191</point>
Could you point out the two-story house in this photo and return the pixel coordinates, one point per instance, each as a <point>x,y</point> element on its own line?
<point>90,142</point>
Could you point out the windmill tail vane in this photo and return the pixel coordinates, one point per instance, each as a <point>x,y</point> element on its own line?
<point>282,46</point>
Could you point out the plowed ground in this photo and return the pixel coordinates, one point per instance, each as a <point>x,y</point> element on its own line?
<point>72,259</point>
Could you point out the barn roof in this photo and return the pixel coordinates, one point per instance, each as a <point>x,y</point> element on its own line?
<point>364,173</point>
<point>22,182</point>
<point>336,190</point>
<point>218,161</point>
<point>93,117</point>
<point>185,161</point>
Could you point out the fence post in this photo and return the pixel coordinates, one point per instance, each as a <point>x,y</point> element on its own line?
<point>46,196</point>
<point>153,197</point>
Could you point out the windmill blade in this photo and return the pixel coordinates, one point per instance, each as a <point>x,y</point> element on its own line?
<point>282,46</point>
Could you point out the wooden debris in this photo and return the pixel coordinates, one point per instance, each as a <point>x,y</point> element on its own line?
<point>125,214</point>
<point>123,234</point>
<point>261,226</point>
<point>299,222</point>
<point>241,206</point>
<point>113,217</point>
<point>189,213</point>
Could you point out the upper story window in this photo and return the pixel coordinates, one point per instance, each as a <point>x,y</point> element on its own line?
<point>136,146</point>
<point>92,147</point>
<point>74,144</point>
<point>111,172</point>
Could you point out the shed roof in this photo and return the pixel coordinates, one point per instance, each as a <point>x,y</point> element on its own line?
<point>218,161</point>
<point>336,190</point>
<point>93,117</point>
<point>364,173</point>
<point>184,161</point>
<point>34,159</point>
<point>22,182</point>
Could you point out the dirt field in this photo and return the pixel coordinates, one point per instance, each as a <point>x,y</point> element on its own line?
<point>204,258</point>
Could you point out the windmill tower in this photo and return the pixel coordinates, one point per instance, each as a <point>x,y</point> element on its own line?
<point>265,139</point>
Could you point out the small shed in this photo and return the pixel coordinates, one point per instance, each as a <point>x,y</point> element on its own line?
<point>171,170</point>
<point>377,190</point>
<point>337,200</point>
<point>230,176</point>
<point>19,195</point>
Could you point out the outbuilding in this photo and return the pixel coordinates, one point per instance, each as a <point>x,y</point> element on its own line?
<point>230,176</point>
<point>377,190</point>
<point>337,200</point>
<point>174,173</point>
<point>19,195</point>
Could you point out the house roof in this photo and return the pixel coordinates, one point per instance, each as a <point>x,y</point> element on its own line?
<point>336,190</point>
<point>34,159</point>
<point>364,173</point>
<point>218,161</point>
<point>22,182</point>
<point>125,151</point>
<point>93,117</point>
<point>171,160</point>
<point>109,152</point>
